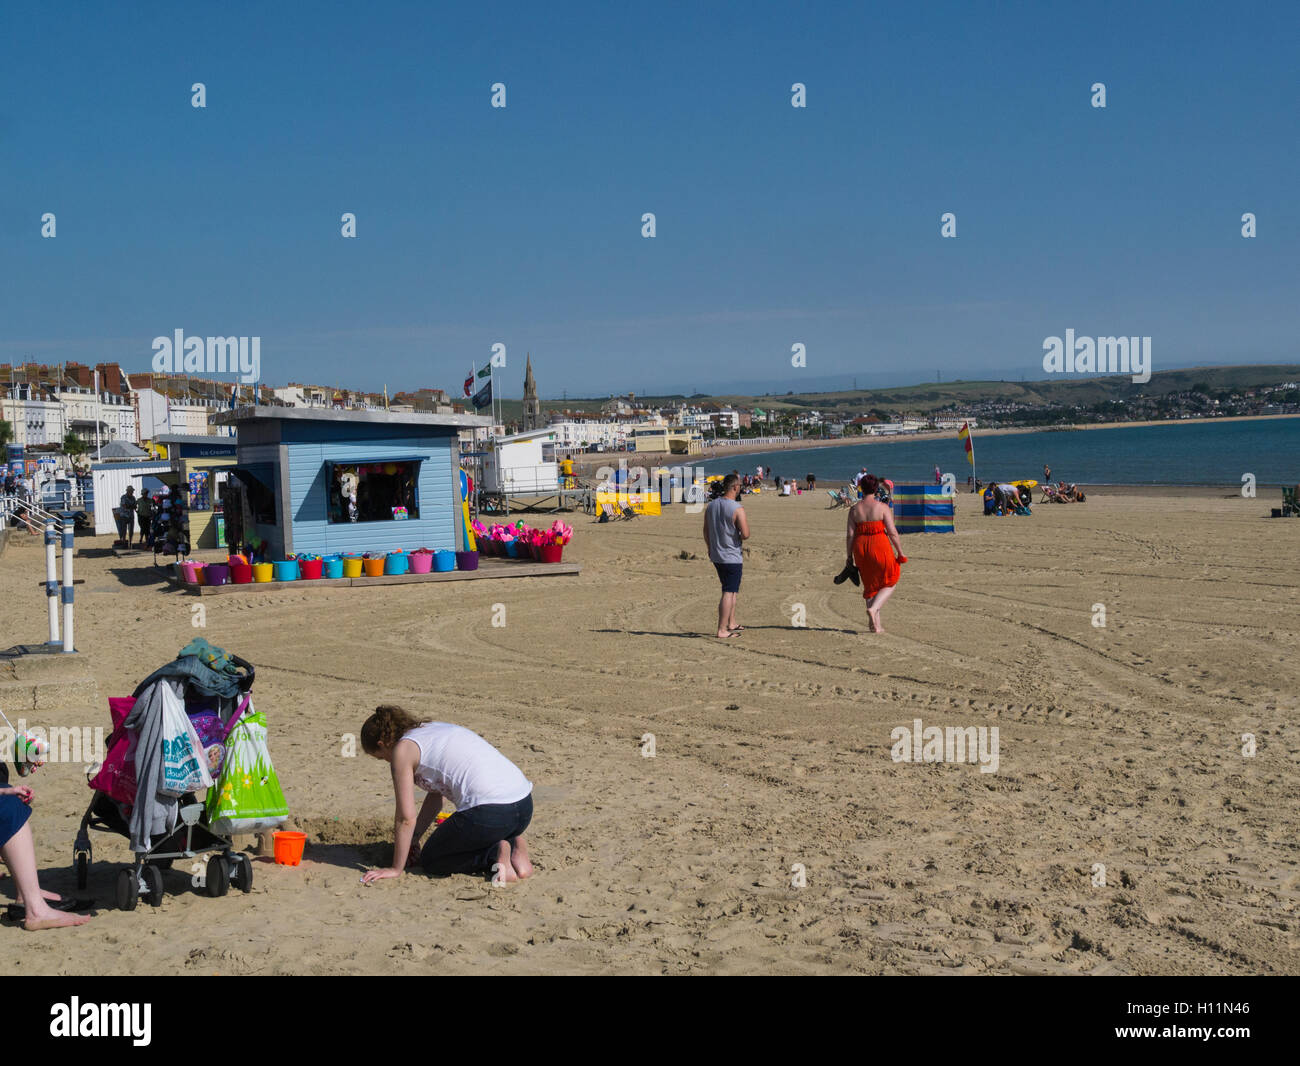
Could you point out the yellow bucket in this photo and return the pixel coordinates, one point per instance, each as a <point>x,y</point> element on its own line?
<point>351,566</point>
<point>262,571</point>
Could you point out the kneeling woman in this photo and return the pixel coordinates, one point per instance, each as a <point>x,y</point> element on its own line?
<point>493,799</point>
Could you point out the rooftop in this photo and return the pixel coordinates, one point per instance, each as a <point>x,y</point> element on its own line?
<point>325,414</point>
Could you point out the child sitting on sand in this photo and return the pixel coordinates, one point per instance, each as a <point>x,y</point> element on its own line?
<point>493,799</point>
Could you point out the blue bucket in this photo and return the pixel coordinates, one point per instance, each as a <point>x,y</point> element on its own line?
<point>333,566</point>
<point>286,570</point>
<point>396,563</point>
<point>444,560</point>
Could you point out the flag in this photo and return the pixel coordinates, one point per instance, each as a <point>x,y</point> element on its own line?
<point>469,382</point>
<point>483,397</point>
<point>964,434</point>
<point>486,372</point>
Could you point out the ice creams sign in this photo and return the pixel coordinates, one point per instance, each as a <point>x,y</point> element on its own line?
<point>179,354</point>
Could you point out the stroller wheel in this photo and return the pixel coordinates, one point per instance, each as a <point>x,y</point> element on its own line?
<point>217,880</point>
<point>153,881</point>
<point>82,864</point>
<point>128,890</point>
<point>242,872</point>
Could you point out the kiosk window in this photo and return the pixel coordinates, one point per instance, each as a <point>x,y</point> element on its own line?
<point>381,491</point>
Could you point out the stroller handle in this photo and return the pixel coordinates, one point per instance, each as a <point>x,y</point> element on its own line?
<point>245,682</point>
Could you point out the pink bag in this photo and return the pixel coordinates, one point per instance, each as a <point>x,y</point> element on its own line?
<point>116,777</point>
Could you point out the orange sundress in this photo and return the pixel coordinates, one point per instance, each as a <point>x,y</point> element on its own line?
<point>873,555</point>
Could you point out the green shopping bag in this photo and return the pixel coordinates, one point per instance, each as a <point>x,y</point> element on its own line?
<point>247,798</point>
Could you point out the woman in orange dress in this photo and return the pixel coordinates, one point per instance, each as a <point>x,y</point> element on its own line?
<point>872,546</point>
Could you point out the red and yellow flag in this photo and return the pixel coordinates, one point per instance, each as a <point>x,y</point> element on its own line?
<point>964,434</point>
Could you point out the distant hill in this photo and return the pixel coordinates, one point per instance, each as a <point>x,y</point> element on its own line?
<point>922,399</point>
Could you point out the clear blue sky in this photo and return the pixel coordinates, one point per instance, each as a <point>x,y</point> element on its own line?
<point>775,225</point>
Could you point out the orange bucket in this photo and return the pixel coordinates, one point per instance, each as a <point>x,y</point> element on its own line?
<point>288,847</point>
<point>374,567</point>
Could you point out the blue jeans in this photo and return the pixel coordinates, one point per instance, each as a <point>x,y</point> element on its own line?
<point>466,843</point>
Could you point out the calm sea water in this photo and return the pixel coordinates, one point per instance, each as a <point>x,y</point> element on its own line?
<point>1177,454</point>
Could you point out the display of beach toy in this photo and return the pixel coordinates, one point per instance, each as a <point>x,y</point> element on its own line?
<point>333,566</point>
<point>444,560</point>
<point>240,573</point>
<point>396,562</point>
<point>285,570</point>
<point>310,567</point>
<point>187,571</point>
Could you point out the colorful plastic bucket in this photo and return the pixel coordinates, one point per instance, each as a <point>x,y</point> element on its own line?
<point>421,562</point>
<point>263,571</point>
<point>187,572</point>
<point>467,560</point>
<point>352,566</point>
<point>373,567</point>
<point>333,567</point>
<point>397,563</point>
<point>285,570</point>
<point>444,560</point>
<point>289,847</point>
<point>216,573</point>
<point>512,548</point>
<point>199,579</point>
<point>240,573</point>
<point>311,569</point>
<point>550,553</point>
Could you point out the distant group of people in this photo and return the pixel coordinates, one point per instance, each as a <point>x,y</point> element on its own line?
<point>23,487</point>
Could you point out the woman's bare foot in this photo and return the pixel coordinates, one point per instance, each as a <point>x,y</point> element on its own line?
<point>49,919</point>
<point>46,894</point>
<point>519,857</point>
<point>873,619</point>
<point>503,873</point>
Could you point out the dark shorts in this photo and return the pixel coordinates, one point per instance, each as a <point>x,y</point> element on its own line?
<point>13,816</point>
<point>466,843</point>
<point>729,575</point>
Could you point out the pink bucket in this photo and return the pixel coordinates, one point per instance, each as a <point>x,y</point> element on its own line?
<point>421,561</point>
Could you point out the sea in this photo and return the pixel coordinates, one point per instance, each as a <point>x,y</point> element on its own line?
<point>1178,453</point>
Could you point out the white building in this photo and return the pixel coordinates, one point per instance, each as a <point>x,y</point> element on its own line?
<point>34,420</point>
<point>582,433</point>
<point>160,415</point>
<point>517,463</point>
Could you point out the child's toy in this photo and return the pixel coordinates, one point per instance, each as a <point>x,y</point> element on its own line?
<point>30,751</point>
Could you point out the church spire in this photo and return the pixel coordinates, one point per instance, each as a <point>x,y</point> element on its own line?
<point>532,405</point>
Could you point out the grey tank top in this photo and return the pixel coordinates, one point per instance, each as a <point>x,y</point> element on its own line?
<point>724,538</point>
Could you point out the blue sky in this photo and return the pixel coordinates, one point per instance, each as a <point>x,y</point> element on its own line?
<point>775,225</point>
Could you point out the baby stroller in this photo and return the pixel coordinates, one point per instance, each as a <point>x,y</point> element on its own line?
<point>215,690</point>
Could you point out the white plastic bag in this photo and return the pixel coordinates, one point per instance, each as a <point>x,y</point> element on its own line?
<point>185,767</point>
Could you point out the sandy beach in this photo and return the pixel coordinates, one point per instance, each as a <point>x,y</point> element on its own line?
<point>1119,747</point>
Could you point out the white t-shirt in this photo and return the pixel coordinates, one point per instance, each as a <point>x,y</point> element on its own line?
<point>464,767</point>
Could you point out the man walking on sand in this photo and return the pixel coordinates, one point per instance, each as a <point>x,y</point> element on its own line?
<point>725,530</point>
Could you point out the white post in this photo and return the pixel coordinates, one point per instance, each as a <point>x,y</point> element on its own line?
<point>67,586</point>
<point>52,580</point>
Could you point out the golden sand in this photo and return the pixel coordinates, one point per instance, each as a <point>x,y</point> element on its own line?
<point>1119,747</point>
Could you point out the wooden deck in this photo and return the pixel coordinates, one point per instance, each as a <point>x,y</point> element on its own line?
<point>487,568</point>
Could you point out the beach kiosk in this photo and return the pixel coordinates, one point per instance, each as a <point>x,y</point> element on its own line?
<point>321,481</point>
<point>198,465</point>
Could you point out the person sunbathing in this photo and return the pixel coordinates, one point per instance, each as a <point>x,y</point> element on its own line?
<point>493,799</point>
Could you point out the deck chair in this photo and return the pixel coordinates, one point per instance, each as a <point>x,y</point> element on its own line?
<point>629,513</point>
<point>837,499</point>
<point>607,513</point>
<point>1289,505</point>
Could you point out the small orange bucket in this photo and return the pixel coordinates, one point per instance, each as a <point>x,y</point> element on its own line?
<point>288,847</point>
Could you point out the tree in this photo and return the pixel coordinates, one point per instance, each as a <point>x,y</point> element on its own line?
<point>73,445</point>
<point>6,433</point>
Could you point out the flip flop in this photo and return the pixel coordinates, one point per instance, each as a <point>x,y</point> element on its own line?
<point>849,573</point>
<point>737,629</point>
<point>16,912</point>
